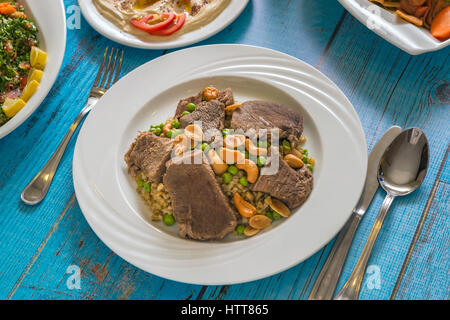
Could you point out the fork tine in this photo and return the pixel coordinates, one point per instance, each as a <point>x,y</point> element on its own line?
<point>106,71</point>
<point>119,67</point>
<point>100,70</point>
<point>111,71</point>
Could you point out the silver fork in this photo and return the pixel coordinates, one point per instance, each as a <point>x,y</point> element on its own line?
<point>108,73</point>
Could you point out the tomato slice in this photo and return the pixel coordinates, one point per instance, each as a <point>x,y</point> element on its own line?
<point>144,26</point>
<point>174,28</point>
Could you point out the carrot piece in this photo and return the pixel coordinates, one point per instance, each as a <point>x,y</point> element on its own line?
<point>6,8</point>
<point>440,27</point>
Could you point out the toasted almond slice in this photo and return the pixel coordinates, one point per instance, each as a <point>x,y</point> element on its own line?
<point>229,109</point>
<point>234,140</point>
<point>259,221</point>
<point>231,156</point>
<point>244,208</point>
<point>409,18</point>
<point>293,161</point>
<point>194,132</point>
<point>249,231</point>
<point>280,208</point>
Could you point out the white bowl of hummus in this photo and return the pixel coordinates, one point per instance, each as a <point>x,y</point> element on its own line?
<point>160,24</point>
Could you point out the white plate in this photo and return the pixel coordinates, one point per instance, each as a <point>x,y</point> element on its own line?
<point>397,31</point>
<point>107,196</point>
<point>52,35</point>
<point>111,31</point>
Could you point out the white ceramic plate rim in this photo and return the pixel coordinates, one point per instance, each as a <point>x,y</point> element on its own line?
<point>53,39</point>
<point>195,262</point>
<point>402,34</point>
<point>112,32</point>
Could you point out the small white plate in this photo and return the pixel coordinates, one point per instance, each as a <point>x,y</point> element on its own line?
<point>111,31</point>
<point>107,196</point>
<point>52,36</point>
<point>397,31</point>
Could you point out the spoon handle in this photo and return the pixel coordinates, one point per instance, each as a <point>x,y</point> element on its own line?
<point>328,277</point>
<point>351,288</point>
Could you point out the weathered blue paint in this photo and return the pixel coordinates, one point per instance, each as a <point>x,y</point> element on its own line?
<point>386,86</point>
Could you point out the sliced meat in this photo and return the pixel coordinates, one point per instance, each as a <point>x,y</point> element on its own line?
<point>256,115</point>
<point>200,207</point>
<point>211,114</point>
<point>288,185</point>
<point>182,104</point>
<point>149,154</point>
<point>225,96</point>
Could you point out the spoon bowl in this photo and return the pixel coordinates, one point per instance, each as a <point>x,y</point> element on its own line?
<point>404,164</point>
<point>401,170</point>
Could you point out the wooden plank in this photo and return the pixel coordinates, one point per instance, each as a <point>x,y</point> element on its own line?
<point>25,151</point>
<point>426,270</point>
<point>388,87</point>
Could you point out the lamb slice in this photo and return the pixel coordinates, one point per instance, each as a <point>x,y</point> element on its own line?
<point>211,114</point>
<point>200,207</point>
<point>182,104</point>
<point>225,96</point>
<point>256,115</point>
<point>149,154</point>
<point>288,185</point>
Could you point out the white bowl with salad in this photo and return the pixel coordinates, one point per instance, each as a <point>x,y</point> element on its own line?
<point>33,42</point>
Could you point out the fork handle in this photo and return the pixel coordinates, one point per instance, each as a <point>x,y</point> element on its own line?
<point>36,190</point>
<point>328,277</point>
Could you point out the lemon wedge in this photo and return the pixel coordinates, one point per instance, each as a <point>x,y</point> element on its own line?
<point>29,90</point>
<point>36,75</point>
<point>38,58</point>
<point>12,106</point>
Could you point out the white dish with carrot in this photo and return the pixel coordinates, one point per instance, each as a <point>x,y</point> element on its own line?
<point>32,49</point>
<point>415,26</point>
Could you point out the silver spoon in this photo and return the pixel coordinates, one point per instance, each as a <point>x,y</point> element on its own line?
<point>401,171</point>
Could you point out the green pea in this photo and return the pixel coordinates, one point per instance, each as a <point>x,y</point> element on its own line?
<point>184,113</point>
<point>147,187</point>
<point>269,215</point>
<point>175,124</point>
<point>305,152</point>
<point>140,183</point>
<point>169,134</point>
<point>225,132</point>
<point>191,107</point>
<point>227,177</point>
<point>158,131</point>
<point>233,170</point>
<point>276,215</point>
<point>162,125</point>
<point>263,144</point>
<point>305,159</point>
<point>240,229</point>
<point>168,219</point>
<point>205,147</point>
<point>261,161</point>
<point>286,145</point>
<point>310,167</point>
<point>176,132</point>
<point>243,180</point>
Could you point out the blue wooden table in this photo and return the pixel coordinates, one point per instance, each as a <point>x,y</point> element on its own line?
<point>43,248</point>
